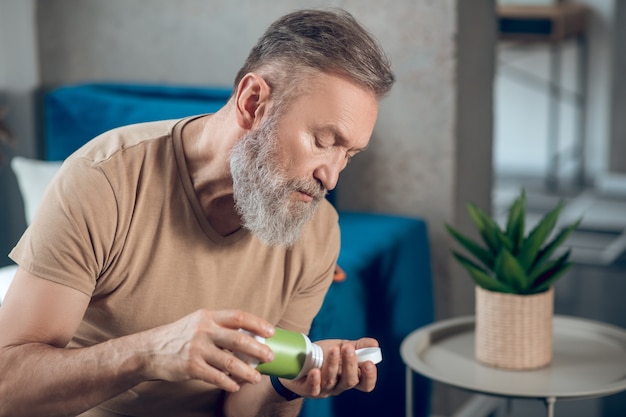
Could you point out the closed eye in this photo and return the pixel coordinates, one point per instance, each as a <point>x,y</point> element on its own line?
<point>324,142</point>
<point>328,138</point>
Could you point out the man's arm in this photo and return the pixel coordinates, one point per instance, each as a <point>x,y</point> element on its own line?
<point>260,400</point>
<point>39,376</point>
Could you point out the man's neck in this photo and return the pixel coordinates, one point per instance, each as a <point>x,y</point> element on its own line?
<point>206,146</point>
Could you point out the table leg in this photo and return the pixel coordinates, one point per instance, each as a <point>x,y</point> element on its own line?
<point>550,401</point>
<point>409,392</point>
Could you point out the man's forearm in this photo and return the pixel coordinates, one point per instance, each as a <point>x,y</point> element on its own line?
<point>37,379</point>
<point>260,400</point>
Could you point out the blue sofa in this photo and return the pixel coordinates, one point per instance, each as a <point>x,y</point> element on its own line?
<point>387,292</point>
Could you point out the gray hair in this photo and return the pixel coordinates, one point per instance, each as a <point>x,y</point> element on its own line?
<point>311,41</point>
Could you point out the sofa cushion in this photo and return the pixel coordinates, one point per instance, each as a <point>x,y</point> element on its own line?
<point>33,176</point>
<point>6,276</point>
<point>77,113</point>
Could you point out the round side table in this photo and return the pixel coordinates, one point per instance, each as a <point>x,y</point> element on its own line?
<point>589,360</point>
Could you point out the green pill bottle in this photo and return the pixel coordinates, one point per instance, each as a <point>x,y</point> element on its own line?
<point>294,355</point>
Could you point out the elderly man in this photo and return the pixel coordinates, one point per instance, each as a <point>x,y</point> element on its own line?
<point>157,242</point>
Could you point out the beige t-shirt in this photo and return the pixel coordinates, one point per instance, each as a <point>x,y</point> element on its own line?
<point>122,224</point>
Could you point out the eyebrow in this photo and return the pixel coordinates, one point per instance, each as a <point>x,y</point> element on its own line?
<point>338,136</point>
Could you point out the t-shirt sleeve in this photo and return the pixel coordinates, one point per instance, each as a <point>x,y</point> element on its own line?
<point>322,250</point>
<point>71,235</point>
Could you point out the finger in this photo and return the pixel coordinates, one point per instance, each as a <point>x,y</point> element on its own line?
<point>221,380</point>
<point>236,319</point>
<point>369,375</point>
<point>312,384</point>
<point>244,345</point>
<point>229,365</point>
<point>330,369</point>
<point>349,368</point>
<point>366,342</point>
<point>234,340</point>
<point>205,371</point>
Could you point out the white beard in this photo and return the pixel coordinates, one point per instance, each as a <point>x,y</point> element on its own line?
<point>262,193</point>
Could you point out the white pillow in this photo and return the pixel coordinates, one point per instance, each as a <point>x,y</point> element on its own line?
<point>6,276</point>
<point>33,176</point>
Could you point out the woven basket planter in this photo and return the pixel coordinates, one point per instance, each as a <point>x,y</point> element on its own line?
<point>514,331</point>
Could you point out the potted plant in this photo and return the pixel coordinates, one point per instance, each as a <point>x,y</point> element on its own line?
<point>514,273</point>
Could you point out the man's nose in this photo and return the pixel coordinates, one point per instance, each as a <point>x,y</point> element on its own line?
<point>328,170</point>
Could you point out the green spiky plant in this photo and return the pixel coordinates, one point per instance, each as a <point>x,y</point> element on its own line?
<point>507,261</point>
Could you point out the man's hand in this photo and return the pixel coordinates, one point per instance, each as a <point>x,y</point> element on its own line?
<point>42,377</point>
<point>340,371</point>
<point>199,346</point>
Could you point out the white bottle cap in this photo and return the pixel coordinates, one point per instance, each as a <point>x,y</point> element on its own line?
<point>373,354</point>
<point>314,357</point>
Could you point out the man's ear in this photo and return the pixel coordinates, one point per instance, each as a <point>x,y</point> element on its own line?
<point>251,100</point>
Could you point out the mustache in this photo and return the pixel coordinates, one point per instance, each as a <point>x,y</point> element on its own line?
<point>313,188</point>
